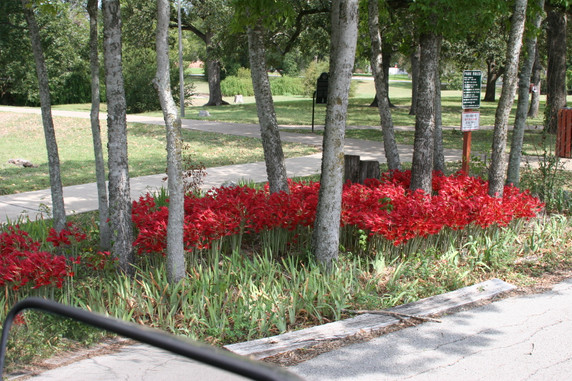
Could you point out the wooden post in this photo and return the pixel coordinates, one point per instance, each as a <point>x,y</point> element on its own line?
<point>466,147</point>
<point>351,168</point>
<point>368,169</point>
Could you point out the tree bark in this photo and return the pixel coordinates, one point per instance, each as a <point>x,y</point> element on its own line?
<point>103,207</point>
<point>438,154</point>
<point>389,143</point>
<point>414,57</point>
<point>536,82</point>
<point>176,267</point>
<point>119,188</point>
<point>493,74</point>
<point>272,145</point>
<point>58,209</point>
<point>513,174</point>
<point>423,145</point>
<point>556,70</point>
<point>326,235</point>
<point>213,74</point>
<point>497,170</point>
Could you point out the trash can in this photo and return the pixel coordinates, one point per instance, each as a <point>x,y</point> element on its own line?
<point>564,133</point>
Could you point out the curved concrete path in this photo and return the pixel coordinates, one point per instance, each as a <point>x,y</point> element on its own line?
<point>83,198</point>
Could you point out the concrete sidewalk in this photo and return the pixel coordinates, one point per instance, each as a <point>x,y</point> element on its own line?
<point>519,338</point>
<point>83,198</point>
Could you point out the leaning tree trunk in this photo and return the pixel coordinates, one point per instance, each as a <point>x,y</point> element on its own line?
<point>119,189</point>
<point>556,70</point>
<point>326,236</point>
<point>213,73</point>
<point>423,145</point>
<point>536,82</point>
<point>497,170</point>
<point>414,57</point>
<point>513,174</point>
<point>103,207</point>
<point>58,209</point>
<point>176,267</point>
<point>389,143</point>
<point>271,143</point>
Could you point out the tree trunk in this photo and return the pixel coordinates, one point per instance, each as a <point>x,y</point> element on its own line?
<point>438,154</point>
<point>556,70</point>
<point>213,74</point>
<point>497,170</point>
<point>386,60</point>
<point>423,145</point>
<point>414,57</point>
<point>513,174</point>
<point>273,154</point>
<point>326,236</point>
<point>535,81</point>
<point>389,143</point>
<point>103,207</point>
<point>119,188</point>
<point>176,267</point>
<point>493,74</point>
<point>58,209</point>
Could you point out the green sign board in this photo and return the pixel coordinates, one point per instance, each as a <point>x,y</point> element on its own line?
<point>472,89</point>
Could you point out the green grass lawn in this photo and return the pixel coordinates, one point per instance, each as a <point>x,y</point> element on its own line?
<point>22,136</point>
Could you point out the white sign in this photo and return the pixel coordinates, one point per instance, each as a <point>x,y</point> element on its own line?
<point>470,121</point>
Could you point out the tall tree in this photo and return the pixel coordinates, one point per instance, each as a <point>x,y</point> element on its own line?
<point>535,17</point>
<point>207,20</point>
<point>58,209</point>
<point>497,170</point>
<point>103,206</point>
<point>175,249</point>
<point>423,146</point>
<point>535,81</point>
<point>389,143</point>
<point>556,68</point>
<point>325,241</point>
<point>119,187</point>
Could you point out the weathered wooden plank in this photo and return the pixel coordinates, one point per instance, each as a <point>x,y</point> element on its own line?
<point>305,338</point>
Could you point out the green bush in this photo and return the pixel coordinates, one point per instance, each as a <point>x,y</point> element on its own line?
<point>286,86</point>
<point>311,75</point>
<point>236,85</point>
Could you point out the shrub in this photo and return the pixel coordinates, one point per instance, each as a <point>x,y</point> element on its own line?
<point>311,75</point>
<point>286,86</point>
<point>236,85</point>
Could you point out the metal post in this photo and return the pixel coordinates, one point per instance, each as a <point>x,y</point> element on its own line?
<point>466,148</point>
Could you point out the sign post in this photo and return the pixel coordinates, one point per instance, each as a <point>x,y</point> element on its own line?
<point>470,119</point>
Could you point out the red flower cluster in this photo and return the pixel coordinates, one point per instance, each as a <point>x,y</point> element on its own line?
<point>63,237</point>
<point>22,262</point>
<point>382,207</point>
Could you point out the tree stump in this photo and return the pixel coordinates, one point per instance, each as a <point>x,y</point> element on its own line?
<point>357,170</point>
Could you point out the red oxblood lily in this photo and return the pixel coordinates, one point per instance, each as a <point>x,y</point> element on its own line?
<point>384,207</point>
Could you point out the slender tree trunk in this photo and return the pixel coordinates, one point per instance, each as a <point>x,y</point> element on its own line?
<point>513,174</point>
<point>389,143</point>
<point>556,70</point>
<point>438,154</point>
<point>273,154</point>
<point>58,209</point>
<point>423,145</point>
<point>103,207</point>
<point>175,249</point>
<point>414,57</point>
<point>119,188</point>
<point>386,63</point>
<point>326,235</point>
<point>213,74</point>
<point>536,82</point>
<point>497,171</point>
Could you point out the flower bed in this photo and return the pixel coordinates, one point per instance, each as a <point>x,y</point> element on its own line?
<point>382,208</point>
